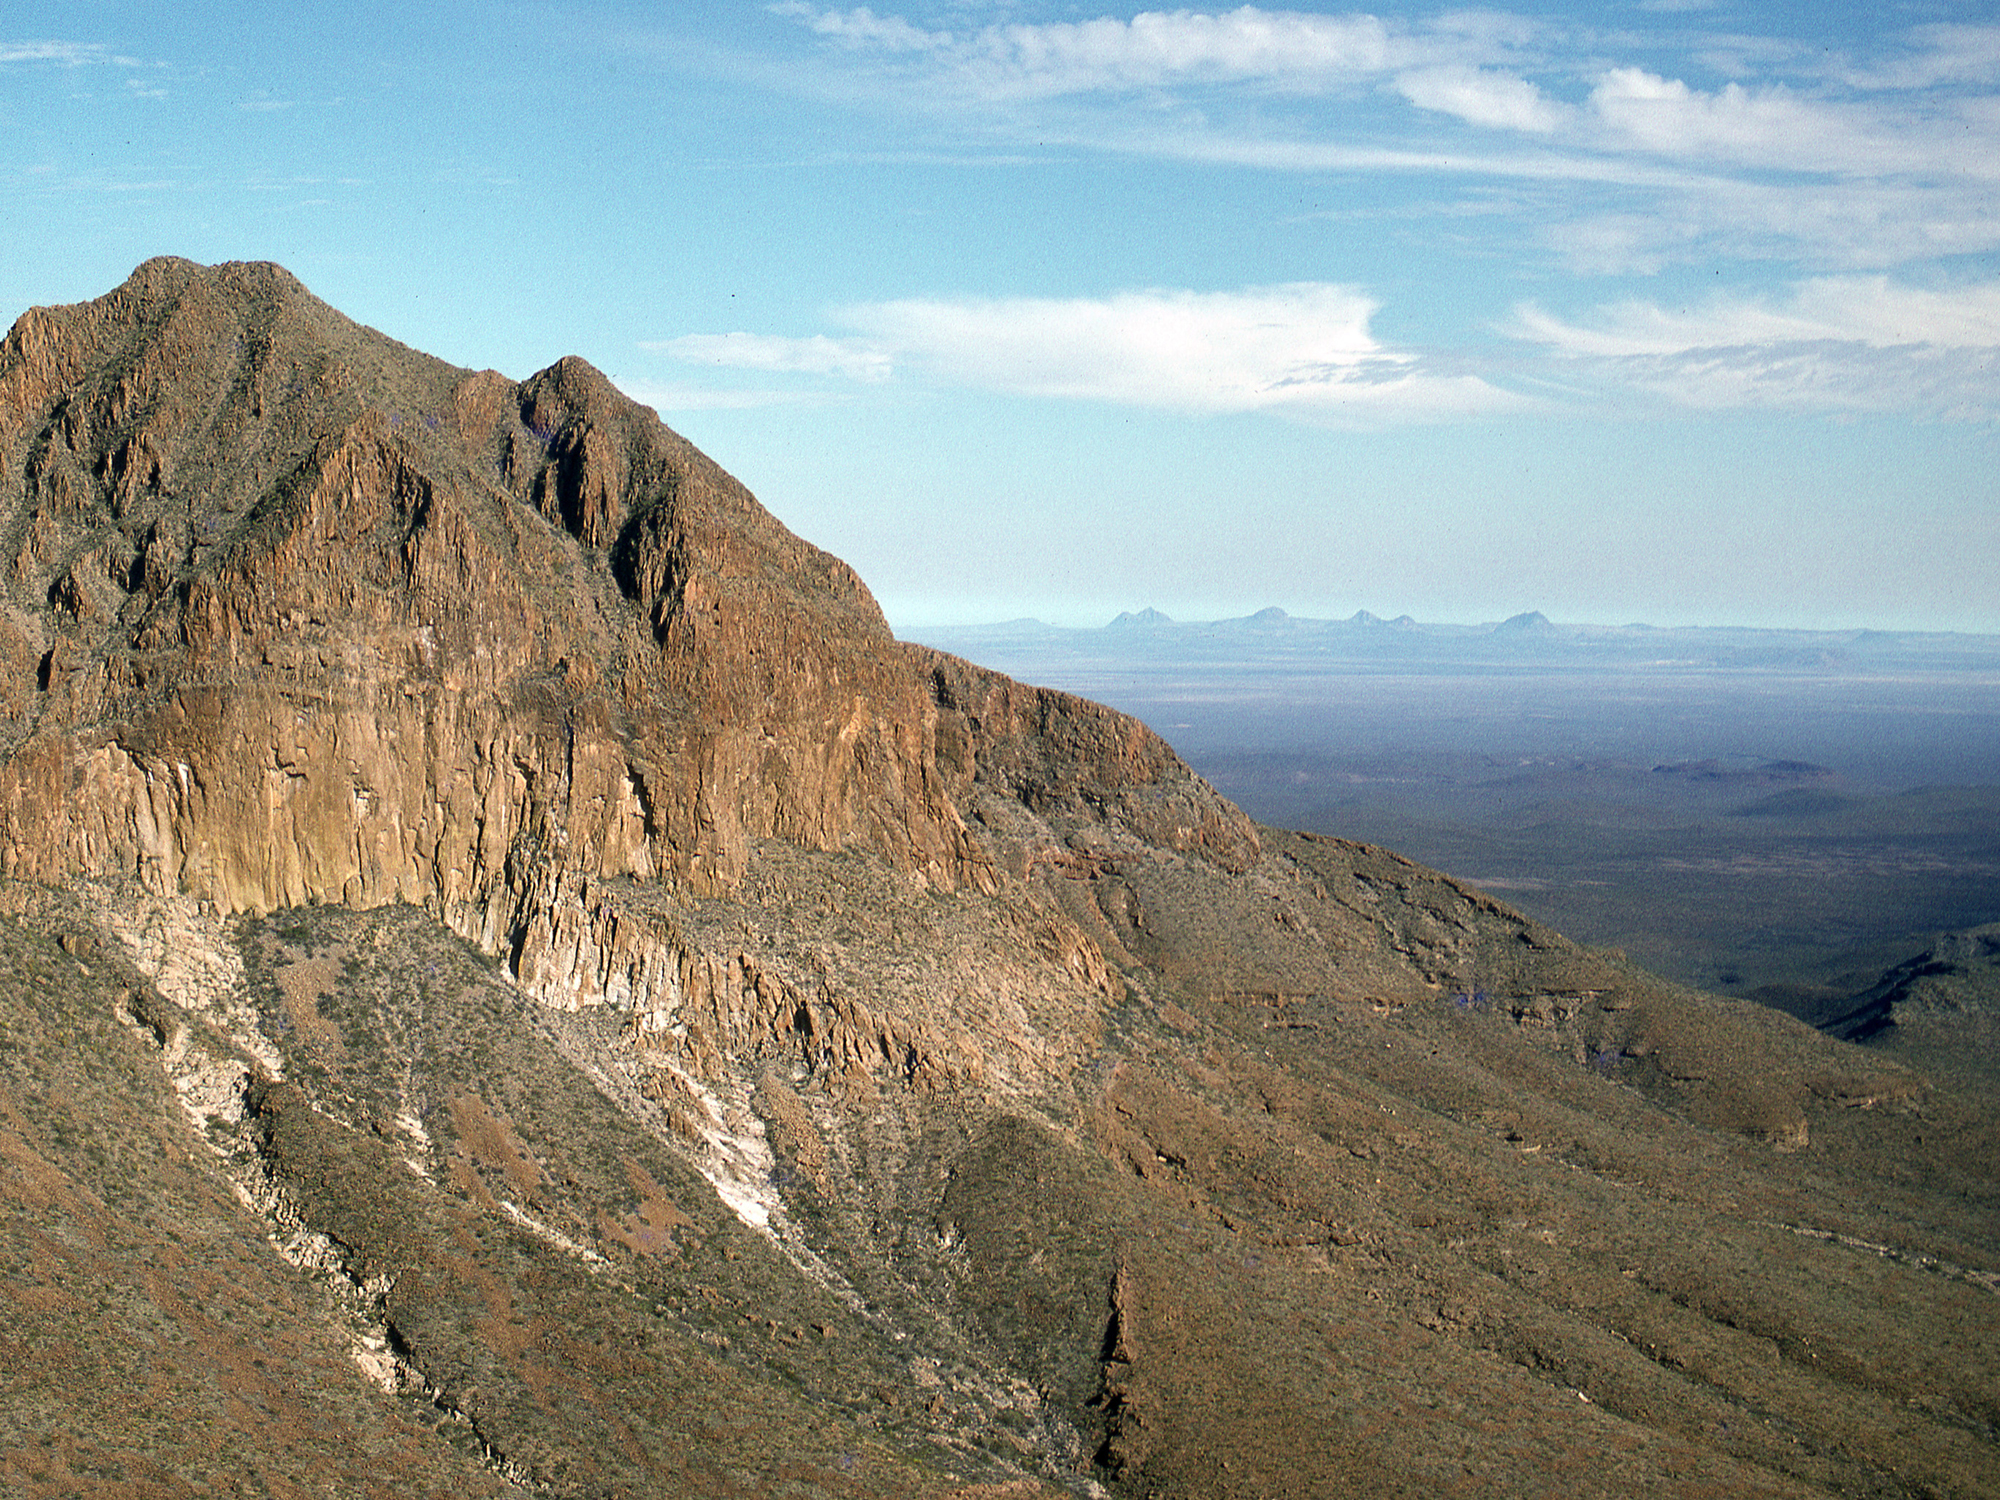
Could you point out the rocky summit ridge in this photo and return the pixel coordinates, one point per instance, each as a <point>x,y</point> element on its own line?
<point>508,951</point>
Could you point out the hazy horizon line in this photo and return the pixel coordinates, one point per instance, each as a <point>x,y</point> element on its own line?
<point>1148,615</point>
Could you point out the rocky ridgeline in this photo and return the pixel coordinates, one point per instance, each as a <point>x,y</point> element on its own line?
<point>301,616</point>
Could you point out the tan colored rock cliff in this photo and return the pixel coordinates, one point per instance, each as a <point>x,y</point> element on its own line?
<point>298,615</point>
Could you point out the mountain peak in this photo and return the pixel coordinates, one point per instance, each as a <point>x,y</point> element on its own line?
<point>235,484</point>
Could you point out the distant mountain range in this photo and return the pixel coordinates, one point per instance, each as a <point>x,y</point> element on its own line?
<point>1529,637</point>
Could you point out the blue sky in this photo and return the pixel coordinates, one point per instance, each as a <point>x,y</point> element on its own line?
<point>1672,312</point>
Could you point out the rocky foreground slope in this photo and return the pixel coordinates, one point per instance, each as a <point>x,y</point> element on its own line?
<point>516,981</point>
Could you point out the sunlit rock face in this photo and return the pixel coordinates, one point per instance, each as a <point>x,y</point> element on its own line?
<point>300,615</point>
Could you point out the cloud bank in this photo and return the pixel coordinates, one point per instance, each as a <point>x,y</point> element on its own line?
<point>1303,349</point>
<point>1306,350</point>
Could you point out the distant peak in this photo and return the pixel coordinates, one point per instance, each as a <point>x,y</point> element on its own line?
<point>1144,618</point>
<point>1263,621</point>
<point>1363,617</point>
<point>1533,619</point>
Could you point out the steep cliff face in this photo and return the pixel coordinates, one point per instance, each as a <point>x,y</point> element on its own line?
<point>309,617</point>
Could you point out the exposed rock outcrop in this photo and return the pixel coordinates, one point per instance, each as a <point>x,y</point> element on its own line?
<point>310,617</point>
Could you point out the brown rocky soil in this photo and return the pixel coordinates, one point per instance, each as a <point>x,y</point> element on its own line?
<point>518,981</point>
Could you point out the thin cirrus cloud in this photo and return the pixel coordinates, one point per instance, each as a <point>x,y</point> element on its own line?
<point>66,54</point>
<point>1950,52</point>
<point>1294,91</point>
<point>1153,49</point>
<point>1869,310</point>
<point>1859,225</point>
<point>1470,66</point>
<point>1771,126</point>
<point>1302,349</point>
<point>818,355</point>
<point>69,53</point>
<point>140,82</point>
<point>1859,343</point>
<point>1484,96</point>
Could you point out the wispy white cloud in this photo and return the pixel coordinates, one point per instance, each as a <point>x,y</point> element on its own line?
<point>1481,96</point>
<point>73,54</point>
<point>817,355</point>
<point>1198,351</point>
<point>1949,53</point>
<point>1153,49</point>
<point>667,396</point>
<point>1870,310</point>
<point>67,54</point>
<point>1813,378</point>
<point>1838,342</point>
<point>1837,225</point>
<point>863,28</point>
<point>1471,65</point>
<point>1769,127</point>
<point>1749,166</point>
<point>142,80</point>
<point>1303,348</point>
